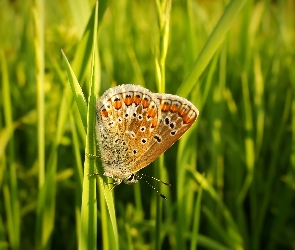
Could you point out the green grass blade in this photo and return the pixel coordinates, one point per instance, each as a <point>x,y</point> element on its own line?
<point>211,244</point>
<point>249,140</point>
<point>47,195</point>
<point>163,10</point>
<point>213,42</point>
<point>3,242</point>
<point>5,135</point>
<point>83,53</point>
<point>81,11</point>
<point>38,14</point>
<point>105,192</point>
<point>46,204</point>
<point>88,229</point>
<point>11,191</point>
<point>87,237</point>
<point>78,177</point>
<point>186,159</point>
<point>196,221</point>
<point>77,92</point>
<point>231,234</point>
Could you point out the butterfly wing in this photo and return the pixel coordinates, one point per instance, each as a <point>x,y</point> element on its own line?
<point>127,118</point>
<point>177,116</point>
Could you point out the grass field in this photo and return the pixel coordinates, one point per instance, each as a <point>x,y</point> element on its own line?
<point>232,173</point>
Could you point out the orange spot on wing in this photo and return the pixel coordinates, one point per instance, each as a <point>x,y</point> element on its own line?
<point>182,112</point>
<point>187,119</point>
<point>117,104</point>
<point>128,101</point>
<point>104,113</point>
<point>154,123</point>
<point>145,103</point>
<point>173,108</point>
<point>190,117</point>
<point>151,112</point>
<point>165,107</point>
<point>136,100</point>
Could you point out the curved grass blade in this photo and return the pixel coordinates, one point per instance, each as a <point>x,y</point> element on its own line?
<point>213,42</point>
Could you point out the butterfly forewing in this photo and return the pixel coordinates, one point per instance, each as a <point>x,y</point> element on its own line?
<point>177,115</point>
<point>127,117</point>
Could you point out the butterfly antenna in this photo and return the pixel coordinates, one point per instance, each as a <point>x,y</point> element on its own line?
<point>161,195</point>
<point>165,183</point>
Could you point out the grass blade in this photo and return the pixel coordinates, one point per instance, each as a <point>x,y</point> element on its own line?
<point>11,184</point>
<point>213,42</point>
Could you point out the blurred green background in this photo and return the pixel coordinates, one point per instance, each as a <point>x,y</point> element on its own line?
<point>232,173</point>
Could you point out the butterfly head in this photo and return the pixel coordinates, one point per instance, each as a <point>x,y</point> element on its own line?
<point>119,177</point>
<point>131,179</point>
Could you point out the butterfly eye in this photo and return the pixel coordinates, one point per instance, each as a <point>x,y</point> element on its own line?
<point>131,178</point>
